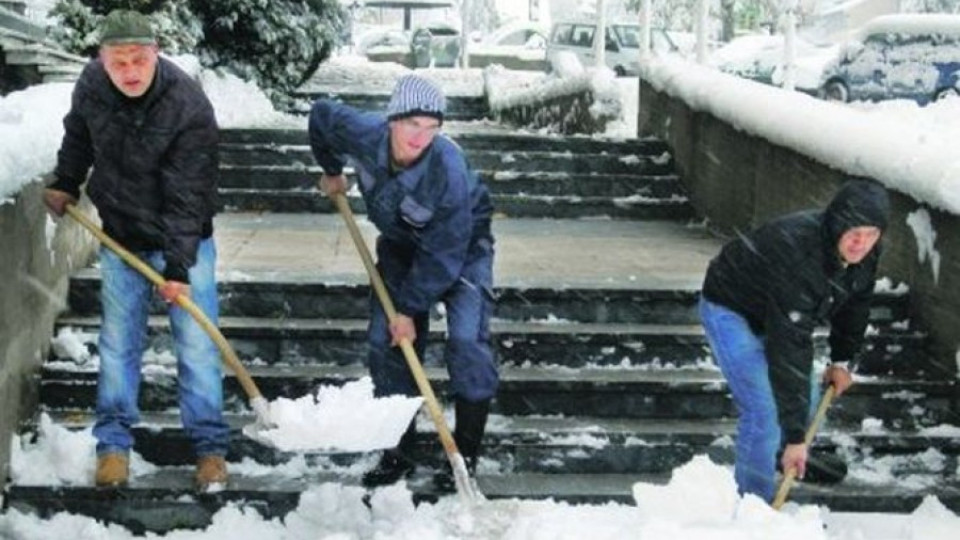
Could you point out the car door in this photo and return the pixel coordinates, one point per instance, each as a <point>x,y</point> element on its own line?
<point>862,69</point>
<point>910,69</point>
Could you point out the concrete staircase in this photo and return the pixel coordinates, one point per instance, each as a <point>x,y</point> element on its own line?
<point>28,57</point>
<point>605,379</point>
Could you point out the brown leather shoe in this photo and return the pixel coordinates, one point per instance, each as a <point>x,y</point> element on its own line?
<point>211,470</point>
<point>113,469</point>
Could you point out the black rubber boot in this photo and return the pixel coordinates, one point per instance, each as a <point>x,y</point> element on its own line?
<point>471,422</point>
<point>395,463</point>
<point>822,468</point>
<point>825,468</point>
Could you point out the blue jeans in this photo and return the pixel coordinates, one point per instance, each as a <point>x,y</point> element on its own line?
<point>742,359</point>
<point>468,352</point>
<point>125,295</point>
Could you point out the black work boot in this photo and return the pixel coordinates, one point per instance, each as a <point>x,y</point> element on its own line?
<point>471,421</point>
<point>395,463</point>
<point>823,468</point>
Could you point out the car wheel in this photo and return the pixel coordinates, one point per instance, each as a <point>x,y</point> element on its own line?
<point>835,91</point>
<point>946,92</point>
<point>620,71</point>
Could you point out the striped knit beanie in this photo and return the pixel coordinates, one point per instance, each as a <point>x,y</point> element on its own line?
<point>415,96</point>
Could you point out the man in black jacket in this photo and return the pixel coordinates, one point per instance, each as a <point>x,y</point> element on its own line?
<point>762,297</point>
<point>150,135</point>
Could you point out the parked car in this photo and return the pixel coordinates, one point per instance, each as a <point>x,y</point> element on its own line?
<point>915,56</point>
<point>435,45</point>
<point>519,45</point>
<point>622,44</point>
<point>761,58</point>
<point>380,40</point>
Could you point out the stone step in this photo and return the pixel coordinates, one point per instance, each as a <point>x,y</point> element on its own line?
<point>238,155</point>
<point>555,184</point>
<point>635,207</point>
<point>275,295</point>
<point>37,54</point>
<point>471,140</point>
<point>343,342</point>
<point>527,390</point>
<point>16,6</point>
<point>556,445</point>
<point>165,500</point>
<point>14,20</point>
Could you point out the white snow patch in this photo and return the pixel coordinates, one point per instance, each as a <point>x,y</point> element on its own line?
<point>346,418</point>
<point>919,222</point>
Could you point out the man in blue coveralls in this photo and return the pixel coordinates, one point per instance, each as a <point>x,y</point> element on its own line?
<point>435,245</point>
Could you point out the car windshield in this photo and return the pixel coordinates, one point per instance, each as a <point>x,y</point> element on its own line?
<point>627,35</point>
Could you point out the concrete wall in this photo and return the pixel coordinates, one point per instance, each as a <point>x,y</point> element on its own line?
<point>738,181</point>
<point>32,293</point>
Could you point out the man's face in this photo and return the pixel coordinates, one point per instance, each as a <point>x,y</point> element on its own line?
<point>409,137</point>
<point>131,67</point>
<point>856,243</point>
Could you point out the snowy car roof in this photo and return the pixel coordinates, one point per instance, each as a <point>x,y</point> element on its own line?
<point>913,24</point>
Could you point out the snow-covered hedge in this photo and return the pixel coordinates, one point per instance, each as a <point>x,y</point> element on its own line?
<point>566,101</point>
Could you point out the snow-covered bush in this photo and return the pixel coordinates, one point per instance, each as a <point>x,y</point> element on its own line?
<point>565,101</point>
<point>278,44</point>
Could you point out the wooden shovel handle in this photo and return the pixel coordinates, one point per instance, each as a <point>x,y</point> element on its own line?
<point>433,406</point>
<point>229,356</point>
<point>791,475</point>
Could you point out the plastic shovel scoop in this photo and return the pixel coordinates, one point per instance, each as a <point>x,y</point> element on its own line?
<point>337,419</point>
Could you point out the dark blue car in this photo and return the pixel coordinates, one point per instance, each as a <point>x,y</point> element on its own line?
<point>912,56</point>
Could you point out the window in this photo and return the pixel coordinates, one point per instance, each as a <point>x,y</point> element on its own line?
<point>563,34</point>
<point>583,35</point>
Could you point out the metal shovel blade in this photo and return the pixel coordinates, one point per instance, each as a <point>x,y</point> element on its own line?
<point>466,487</point>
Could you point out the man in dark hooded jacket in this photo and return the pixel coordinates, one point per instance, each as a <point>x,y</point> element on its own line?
<point>150,135</point>
<point>762,297</point>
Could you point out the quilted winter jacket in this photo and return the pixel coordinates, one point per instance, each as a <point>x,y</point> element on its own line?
<point>154,158</point>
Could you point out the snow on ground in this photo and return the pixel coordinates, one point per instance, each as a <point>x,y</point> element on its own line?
<point>700,502</point>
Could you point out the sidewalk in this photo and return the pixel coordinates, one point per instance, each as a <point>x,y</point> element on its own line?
<point>530,252</point>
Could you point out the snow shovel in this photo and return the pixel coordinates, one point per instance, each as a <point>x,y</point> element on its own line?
<point>791,474</point>
<point>257,402</point>
<point>465,487</point>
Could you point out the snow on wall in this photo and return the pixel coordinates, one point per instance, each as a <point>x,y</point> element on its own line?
<point>906,147</point>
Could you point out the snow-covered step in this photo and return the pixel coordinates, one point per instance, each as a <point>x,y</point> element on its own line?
<point>498,160</point>
<point>648,300</point>
<point>165,500</point>
<point>529,206</point>
<point>12,18</point>
<point>568,344</point>
<point>471,138</point>
<point>556,183</point>
<point>546,390</point>
<point>563,445</point>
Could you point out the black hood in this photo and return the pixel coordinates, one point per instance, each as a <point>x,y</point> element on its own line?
<point>859,203</point>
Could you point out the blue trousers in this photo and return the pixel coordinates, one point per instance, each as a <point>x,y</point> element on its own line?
<point>125,296</point>
<point>468,352</point>
<point>742,359</point>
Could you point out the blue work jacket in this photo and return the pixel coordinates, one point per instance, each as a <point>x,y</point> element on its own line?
<point>434,212</point>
